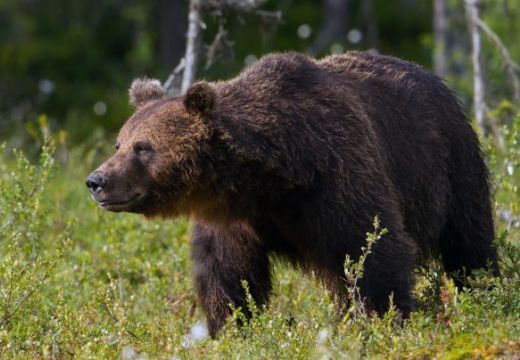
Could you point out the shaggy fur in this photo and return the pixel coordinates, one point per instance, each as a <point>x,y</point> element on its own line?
<point>295,157</point>
<point>143,90</point>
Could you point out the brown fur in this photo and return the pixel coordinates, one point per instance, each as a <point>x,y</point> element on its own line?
<point>295,157</point>
<point>145,90</point>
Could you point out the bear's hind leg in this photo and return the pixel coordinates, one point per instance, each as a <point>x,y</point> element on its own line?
<point>224,256</point>
<point>388,271</point>
<point>466,241</point>
<point>467,244</point>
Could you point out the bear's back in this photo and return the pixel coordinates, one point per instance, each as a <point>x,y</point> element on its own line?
<point>414,115</point>
<point>364,65</point>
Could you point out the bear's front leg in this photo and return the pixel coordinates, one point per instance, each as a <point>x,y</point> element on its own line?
<point>224,256</point>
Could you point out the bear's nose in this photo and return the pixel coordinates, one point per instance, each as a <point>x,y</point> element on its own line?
<point>95,182</point>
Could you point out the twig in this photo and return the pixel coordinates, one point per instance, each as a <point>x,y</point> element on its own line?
<point>512,67</point>
<point>115,319</point>
<point>7,317</point>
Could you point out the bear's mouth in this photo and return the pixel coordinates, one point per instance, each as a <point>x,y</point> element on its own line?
<point>119,205</point>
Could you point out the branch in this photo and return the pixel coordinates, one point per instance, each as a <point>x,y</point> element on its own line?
<point>7,317</point>
<point>221,47</point>
<point>512,67</point>
<point>169,83</point>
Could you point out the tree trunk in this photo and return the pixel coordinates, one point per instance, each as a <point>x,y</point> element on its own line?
<point>478,81</point>
<point>193,39</point>
<point>334,25</point>
<point>440,29</point>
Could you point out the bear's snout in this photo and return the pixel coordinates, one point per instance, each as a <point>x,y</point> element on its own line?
<point>95,182</point>
<point>116,193</point>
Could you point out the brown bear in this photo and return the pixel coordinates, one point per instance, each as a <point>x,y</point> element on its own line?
<point>295,157</point>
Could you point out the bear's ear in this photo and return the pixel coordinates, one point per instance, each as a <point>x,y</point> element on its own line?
<point>200,98</point>
<point>145,90</point>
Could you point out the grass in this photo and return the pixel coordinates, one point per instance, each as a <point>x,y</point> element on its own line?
<point>78,282</point>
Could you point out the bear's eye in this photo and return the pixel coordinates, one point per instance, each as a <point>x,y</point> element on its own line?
<point>116,146</point>
<point>142,147</point>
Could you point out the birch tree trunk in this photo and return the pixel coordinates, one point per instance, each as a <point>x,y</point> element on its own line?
<point>193,39</point>
<point>478,81</point>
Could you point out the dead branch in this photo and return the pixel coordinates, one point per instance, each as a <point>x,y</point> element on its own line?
<point>511,66</point>
<point>221,46</point>
<point>169,84</point>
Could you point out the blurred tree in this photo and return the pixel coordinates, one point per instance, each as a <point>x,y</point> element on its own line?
<point>334,24</point>
<point>370,20</point>
<point>440,27</point>
<point>172,31</point>
<point>71,60</point>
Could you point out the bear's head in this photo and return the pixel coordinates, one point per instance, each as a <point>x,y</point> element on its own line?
<point>155,170</point>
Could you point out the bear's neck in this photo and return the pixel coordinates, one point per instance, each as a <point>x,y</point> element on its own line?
<point>243,162</point>
<point>231,187</point>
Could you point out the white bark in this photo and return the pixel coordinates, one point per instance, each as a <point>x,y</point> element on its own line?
<point>440,29</point>
<point>478,81</point>
<point>193,38</point>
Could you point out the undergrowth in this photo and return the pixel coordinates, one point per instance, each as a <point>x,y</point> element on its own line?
<point>77,282</point>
